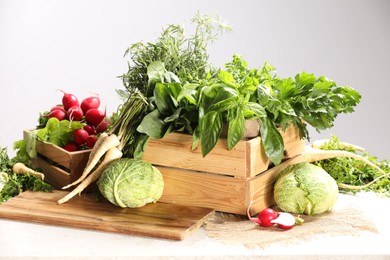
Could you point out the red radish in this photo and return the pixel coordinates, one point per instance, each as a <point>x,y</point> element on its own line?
<point>284,220</point>
<point>57,108</point>
<point>71,147</point>
<point>80,136</point>
<point>75,113</point>
<point>94,116</point>
<point>89,103</point>
<point>265,217</point>
<point>102,127</point>
<point>59,114</point>
<point>69,100</point>
<point>90,129</point>
<point>91,140</point>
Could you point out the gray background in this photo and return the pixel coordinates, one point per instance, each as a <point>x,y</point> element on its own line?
<point>78,46</point>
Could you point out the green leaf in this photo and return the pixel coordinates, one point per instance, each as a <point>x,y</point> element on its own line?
<point>227,78</point>
<point>156,71</point>
<point>162,98</point>
<point>58,132</point>
<point>140,146</point>
<point>153,126</point>
<point>215,93</point>
<point>225,105</point>
<point>210,130</point>
<point>31,141</point>
<point>253,109</point>
<point>272,141</point>
<point>188,91</point>
<point>236,126</point>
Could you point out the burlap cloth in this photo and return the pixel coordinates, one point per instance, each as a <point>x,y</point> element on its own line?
<point>237,229</point>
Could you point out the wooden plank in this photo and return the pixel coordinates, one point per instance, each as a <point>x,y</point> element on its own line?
<point>246,160</point>
<point>159,220</point>
<point>174,150</point>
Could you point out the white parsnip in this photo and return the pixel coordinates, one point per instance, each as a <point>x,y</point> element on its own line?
<point>111,155</point>
<point>103,144</point>
<point>21,168</point>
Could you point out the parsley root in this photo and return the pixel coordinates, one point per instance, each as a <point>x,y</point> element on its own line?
<point>111,155</point>
<point>104,143</point>
<point>21,168</point>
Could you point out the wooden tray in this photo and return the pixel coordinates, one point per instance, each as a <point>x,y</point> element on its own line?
<point>159,220</point>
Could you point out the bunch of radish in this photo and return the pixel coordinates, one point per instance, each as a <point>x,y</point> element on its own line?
<point>87,112</point>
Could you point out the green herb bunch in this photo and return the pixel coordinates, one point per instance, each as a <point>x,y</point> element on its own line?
<point>17,183</point>
<point>185,56</point>
<point>354,172</point>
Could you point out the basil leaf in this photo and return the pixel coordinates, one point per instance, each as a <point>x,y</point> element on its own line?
<point>210,130</point>
<point>153,126</point>
<point>272,141</point>
<point>162,99</point>
<point>253,109</point>
<point>236,126</point>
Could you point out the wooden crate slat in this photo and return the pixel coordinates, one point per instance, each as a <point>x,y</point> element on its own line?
<point>174,150</point>
<point>186,187</point>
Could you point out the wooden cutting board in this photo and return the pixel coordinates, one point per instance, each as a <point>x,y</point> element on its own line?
<point>161,220</point>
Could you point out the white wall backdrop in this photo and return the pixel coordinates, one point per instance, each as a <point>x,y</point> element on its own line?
<point>78,46</point>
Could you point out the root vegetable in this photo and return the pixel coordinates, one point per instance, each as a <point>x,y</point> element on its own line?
<point>21,168</point>
<point>284,220</point>
<point>111,155</point>
<point>75,113</point>
<point>58,113</point>
<point>264,217</point>
<point>102,127</point>
<point>103,144</point>
<point>71,147</point>
<point>90,129</point>
<point>91,140</point>
<point>57,108</point>
<point>69,100</point>
<point>80,136</point>
<point>90,103</point>
<point>94,116</point>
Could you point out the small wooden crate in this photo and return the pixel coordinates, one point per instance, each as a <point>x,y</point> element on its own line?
<point>224,180</point>
<point>59,166</point>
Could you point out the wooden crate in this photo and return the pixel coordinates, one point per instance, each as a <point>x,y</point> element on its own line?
<point>224,180</point>
<point>59,166</point>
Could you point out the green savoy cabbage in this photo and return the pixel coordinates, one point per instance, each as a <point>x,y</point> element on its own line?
<point>131,183</point>
<point>305,188</point>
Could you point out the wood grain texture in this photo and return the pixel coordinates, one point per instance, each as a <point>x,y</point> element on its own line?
<point>161,220</point>
<point>219,192</point>
<point>246,160</point>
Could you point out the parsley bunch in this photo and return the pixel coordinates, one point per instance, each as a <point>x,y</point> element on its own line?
<point>353,172</point>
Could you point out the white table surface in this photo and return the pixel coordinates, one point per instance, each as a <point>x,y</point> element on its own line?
<point>23,239</point>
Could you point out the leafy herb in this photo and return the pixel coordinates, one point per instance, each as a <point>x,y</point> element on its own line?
<point>184,56</point>
<point>17,183</point>
<point>353,172</point>
<point>58,132</point>
<point>186,93</point>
